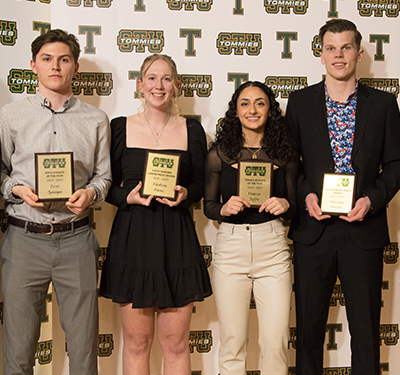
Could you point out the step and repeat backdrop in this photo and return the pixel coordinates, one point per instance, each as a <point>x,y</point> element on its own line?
<point>217,45</point>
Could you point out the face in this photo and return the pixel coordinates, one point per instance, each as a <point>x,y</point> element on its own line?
<point>253,109</point>
<point>340,56</point>
<point>55,67</point>
<point>158,87</point>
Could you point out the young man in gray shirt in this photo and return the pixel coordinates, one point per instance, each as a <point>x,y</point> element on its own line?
<point>51,241</point>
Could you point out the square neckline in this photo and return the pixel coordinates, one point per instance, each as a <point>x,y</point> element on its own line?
<point>159,149</point>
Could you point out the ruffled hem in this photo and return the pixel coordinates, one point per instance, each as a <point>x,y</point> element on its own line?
<point>153,288</point>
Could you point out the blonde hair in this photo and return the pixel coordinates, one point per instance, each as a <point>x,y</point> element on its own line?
<point>148,61</point>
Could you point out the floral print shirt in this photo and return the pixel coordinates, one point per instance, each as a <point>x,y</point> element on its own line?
<point>341,125</point>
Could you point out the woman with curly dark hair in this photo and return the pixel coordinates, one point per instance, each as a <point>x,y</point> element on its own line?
<point>251,252</point>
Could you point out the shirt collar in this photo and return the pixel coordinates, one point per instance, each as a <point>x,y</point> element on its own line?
<point>45,103</point>
<point>352,96</point>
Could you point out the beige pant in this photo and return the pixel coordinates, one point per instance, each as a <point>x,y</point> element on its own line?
<point>252,257</point>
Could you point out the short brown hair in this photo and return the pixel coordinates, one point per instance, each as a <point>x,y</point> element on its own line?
<point>53,36</point>
<point>338,26</point>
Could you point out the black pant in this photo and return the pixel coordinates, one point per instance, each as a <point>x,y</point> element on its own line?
<point>360,272</point>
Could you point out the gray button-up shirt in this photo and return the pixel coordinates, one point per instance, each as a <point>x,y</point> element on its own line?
<point>30,126</point>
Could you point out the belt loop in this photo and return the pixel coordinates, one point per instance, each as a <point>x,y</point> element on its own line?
<point>233,228</point>
<point>72,227</point>
<point>26,226</point>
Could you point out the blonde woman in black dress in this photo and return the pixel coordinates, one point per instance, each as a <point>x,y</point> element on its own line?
<point>154,258</point>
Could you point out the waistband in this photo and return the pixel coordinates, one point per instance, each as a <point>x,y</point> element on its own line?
<point>245,227</point>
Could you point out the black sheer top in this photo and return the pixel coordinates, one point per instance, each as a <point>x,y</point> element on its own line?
<point>221,182</point>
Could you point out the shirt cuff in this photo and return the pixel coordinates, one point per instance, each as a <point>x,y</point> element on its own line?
<point>96,193</point>
<point>11,197</point>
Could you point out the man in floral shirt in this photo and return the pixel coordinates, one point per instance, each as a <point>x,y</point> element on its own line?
<point>341,126</point>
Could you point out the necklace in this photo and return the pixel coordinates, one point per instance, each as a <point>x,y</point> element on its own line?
<point>254,156</point>
<point>157,135</point>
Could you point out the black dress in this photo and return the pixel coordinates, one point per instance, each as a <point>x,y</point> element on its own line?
<point>154,257</point>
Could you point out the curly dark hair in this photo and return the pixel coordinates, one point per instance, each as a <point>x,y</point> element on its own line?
<point>276,141</point>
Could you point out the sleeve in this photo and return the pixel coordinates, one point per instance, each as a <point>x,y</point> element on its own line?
<point>7,150</point>
<point>304,187</point>
<point>388,182</point>
<point>198,149</point>
<point>117,194</point>
<point>291,182</point>
<point>101,178</point>
<point>212,193</point>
